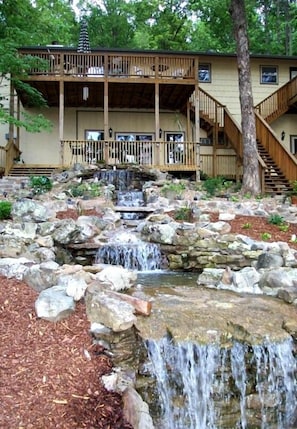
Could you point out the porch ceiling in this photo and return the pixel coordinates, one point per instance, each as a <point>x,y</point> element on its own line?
<point>120,95</point>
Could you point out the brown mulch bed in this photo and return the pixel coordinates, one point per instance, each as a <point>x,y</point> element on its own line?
<point>50,372</point>
<point>255,227</point>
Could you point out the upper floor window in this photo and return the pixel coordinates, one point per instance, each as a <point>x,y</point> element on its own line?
<point>204,73</point>
<point>293,72</point>
<point>293,144</point>
<point>269,74</point>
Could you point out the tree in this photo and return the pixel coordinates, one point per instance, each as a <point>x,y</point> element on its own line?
<point>54,20</point>
<point>251,177</point>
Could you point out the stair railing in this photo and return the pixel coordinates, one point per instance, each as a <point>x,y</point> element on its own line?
<point>12,153</point>
<point>211,108</point>
<point>277,103</point>
<point>278,152</point>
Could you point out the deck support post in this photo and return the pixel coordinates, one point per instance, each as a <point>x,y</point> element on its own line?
<point>157,122</point>
<point>61,119</point>
<point>197,122</point>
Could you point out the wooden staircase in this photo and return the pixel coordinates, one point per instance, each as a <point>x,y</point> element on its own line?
<point>275,180</point>
<point>278,166</point>
<point>25,170</point>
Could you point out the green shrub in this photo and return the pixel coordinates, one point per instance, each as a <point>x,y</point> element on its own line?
<point>265,236</point>
<point>275,219</point>
<point>5,209</point>
<point>40,184</point>
<point>173,189</point>
<point>183,213</point>
<point>85,190</point>
<point>213,185</point>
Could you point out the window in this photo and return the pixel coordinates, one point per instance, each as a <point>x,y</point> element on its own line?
<point>94,135</point>
<point>136,152</point>
<point>204,73</point>
<point>293,72</point>
<point>269,75</point>
<point>132,137</point>
<point>174,147</point>
<point>293,144</point>
<point>205,141</point>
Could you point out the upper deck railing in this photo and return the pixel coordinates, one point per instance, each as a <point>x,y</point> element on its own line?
<point>109,65</point>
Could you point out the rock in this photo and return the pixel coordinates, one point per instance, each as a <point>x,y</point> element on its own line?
<point>108,311</point>
<point>269,260</point>
<point>15,267</point>
<point>42,276</point>
<point>118,278</point>
<point>54,304</point>
<point>29,210</point>
<point>136,411</point>
<point>280,282</point>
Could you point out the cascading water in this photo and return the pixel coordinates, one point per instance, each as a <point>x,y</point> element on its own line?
<point>128,250</point>
<point>207,387</point>
<point>130,199</point>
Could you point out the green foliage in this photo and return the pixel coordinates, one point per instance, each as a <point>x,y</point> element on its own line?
<point>40,184</point>
<point>213,185</point>
<point>265,236</point>
<point>247,225</point>
<point>91,190</point>
<point>294,188</point>
<point>5,209</point>
<point>284,227</point>
<point>275,219</point>
<point>171,189</point>
<point>183,213</point>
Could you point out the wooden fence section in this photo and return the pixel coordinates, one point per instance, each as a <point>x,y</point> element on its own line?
<point>233,132</point>
<point>166,155</point>
<point>103,65</point>
<point>278,103</point>
<point>225,165</point>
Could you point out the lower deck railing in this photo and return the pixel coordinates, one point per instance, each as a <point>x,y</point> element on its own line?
<point>165,155</point>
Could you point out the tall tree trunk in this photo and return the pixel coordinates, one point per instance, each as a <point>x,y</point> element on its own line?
<point>251,177</point>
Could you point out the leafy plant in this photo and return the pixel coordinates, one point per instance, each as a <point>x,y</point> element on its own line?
<point>183,213</point>
<point>275,219</point>
<point>5,209</point>
<point>175,189</point>
<point>40,184</point>
<point>284,227</point>
<point>265,236</point>
<point>85,190</point>
<point>213,185</point>
<point>247,225</point>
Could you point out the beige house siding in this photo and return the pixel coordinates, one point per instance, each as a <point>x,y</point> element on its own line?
<point>224,82</point>
<point>44,147</point>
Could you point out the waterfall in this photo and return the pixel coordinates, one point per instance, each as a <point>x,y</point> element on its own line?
<point>208,387</point>
<point>121,178</point>
<point>128,250</point>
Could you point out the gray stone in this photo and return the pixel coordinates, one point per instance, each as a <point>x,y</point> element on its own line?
<point>117,278</point>
<point>269,260</point>
<point>136,411</point>
<point>29,210</point>
<point>42,276</point>
<point>108,311</point>
<point>54,304</point>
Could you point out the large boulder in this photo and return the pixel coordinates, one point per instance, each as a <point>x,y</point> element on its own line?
<point>54,304</point>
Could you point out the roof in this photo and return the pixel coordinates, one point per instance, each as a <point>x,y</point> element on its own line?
<point>162,52</point>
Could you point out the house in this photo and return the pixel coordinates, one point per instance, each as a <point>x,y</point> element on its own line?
<point>174,111</point>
